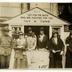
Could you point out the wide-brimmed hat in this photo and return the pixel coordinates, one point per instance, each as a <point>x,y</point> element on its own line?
<point>42,29</point>
<point>29,29</point>
<point>5,29</point>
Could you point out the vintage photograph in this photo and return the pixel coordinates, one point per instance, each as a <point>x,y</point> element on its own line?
<point>35,35</point>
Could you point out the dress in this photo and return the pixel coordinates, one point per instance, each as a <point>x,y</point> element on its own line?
<point>20,58</point>
<point>42,52</point>
<point>31,45</point>
<point>55,58</point>
<point>69,53</point>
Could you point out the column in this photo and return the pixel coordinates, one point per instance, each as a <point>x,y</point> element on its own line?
<point>50,32</point>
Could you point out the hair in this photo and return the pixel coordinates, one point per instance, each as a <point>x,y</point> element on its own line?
<point>42,29</point>
<point>58,36</point>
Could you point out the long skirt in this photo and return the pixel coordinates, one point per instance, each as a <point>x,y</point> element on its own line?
<point>20,60</point>
<point>38,59</point>
<point>68,59</point>
<point>55,60</point>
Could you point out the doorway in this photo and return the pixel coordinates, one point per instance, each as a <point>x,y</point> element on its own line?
<point>36,30</point>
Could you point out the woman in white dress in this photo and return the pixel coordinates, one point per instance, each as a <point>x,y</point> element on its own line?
<point>20,49</point>
<point>31,45</point>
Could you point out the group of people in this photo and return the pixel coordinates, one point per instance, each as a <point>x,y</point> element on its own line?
<point>30,42</point>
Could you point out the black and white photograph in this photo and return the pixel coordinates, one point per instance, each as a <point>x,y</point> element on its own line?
<point>35,36</point>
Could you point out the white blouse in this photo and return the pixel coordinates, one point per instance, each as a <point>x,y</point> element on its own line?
<point>21,43</point>
<point>55,40</point>
<point>31,42</point>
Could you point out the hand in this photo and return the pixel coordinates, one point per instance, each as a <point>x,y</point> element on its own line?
<point>61,53</point>
<point>67,45</point>
<point>53,51</point>
<point>19,46</point>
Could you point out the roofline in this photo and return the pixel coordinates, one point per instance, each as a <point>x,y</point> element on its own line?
<point>3,25</point>
<point>53,15</point>
<point>21,14</point>
<point>42,10</point>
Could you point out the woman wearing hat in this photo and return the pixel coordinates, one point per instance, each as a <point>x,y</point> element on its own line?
<point>43,53</point>
<point>31,39</point>
<point>56,47</point>
<point>69,51</point>
<point>42,40</point>
<point>20,49</point>
<point>31,45</point>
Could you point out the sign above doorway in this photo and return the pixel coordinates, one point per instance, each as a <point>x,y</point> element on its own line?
<point>37,16</point>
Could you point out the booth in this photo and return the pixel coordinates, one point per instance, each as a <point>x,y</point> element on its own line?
<point>36,18</point>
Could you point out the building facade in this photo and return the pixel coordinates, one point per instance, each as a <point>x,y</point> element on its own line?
<point>10,10</point>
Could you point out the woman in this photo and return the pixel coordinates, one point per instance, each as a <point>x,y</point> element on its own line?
<point>56,47</point>
<point>31,39</point>
<point>69,51</point>
<point>42,40</point>
<point>20,49</point>
<point>42,53</point>
<point>31,45</point>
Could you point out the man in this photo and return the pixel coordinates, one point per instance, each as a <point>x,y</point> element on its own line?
<point>5,48</point>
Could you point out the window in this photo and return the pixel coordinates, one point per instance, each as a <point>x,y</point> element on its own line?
<point>68,28</point>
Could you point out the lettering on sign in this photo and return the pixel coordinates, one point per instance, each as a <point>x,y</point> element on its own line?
<point>44,18</point>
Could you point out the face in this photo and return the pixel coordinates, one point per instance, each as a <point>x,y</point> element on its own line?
<point>41,32</point>
<point>55,35</point>
<point>30,31</point>
<point>13,29</point>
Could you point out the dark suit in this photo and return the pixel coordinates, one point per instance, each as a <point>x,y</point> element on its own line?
<point>43,43</point>
<point>55,58</point>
